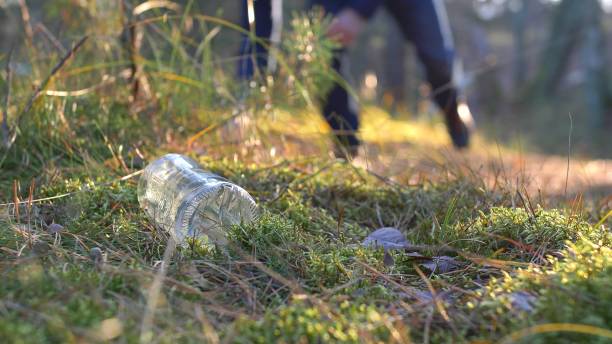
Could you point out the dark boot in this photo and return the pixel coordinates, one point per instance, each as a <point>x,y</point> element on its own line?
<point>460,124</point>
<point>346,147</point>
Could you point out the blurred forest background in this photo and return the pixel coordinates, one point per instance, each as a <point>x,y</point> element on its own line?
<point>525,65</point>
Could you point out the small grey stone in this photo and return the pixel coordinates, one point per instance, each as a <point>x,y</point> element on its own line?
<point>522,300</point>
<point>427,296</point>
<point>55,228</point>
<point>423,296</point>
<point>388,238</point>
<point>388,259</point>
<point>40,248</point>
<point>441,264</point>
<point>97,256</point>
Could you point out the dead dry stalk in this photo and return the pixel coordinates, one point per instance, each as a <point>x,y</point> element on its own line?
<point>140,88</point>
<point>51,38</point>
<point>27,23</point>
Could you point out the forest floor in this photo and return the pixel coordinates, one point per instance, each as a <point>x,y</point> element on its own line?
<point>500,245</point>
<point>555,176</point>
<point>495,244</point>
<point>412,150</point>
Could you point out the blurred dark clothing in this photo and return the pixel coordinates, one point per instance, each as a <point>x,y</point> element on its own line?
<point>366,8</point>
<point>423,23</point>
<point>263,25</point>
<point>263,29</point>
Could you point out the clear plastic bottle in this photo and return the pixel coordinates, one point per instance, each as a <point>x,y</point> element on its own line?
<point>188,201</point>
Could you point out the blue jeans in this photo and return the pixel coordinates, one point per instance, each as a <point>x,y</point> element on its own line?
<point>423,23</point>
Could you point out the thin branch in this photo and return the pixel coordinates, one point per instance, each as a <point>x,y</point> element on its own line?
<point>51,38</point>
<point>54,71</point>
<point>43,85</point>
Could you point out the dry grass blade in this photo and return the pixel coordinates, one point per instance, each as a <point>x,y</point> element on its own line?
<point>496,263</point>
<point>83,91</point>
<point>434,295</point>
<point>210,128</point>
<point>207,329</point>
<point>146,334</point>
<point>149,5</point>
<point>7,101</point>
<point>603,219</point>
<point>556,327</point>
<point>16,199</point>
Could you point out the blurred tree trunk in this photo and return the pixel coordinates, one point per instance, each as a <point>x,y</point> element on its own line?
<point>563,37</point>
<point>572,20</point>
<point>132,39</point>
<point>593,57</point>
<point>577,27</point>
<point>519,20</point>
<point>490,94</point>
<point>394,79</point>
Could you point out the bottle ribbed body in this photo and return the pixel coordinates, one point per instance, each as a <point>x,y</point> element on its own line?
<point>189,202</point>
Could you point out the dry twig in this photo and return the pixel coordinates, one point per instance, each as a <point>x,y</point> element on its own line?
<point>51,38</point>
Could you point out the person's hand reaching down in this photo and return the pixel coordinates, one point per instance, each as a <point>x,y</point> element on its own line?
<point>346,26</point>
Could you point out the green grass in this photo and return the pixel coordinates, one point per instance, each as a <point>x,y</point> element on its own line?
<point>299,273</point>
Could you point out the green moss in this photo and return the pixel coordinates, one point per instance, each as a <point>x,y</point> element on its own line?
<point>309,233</point>
<point>514,233</point>
<point>576,289</point>
<point>300,322</point>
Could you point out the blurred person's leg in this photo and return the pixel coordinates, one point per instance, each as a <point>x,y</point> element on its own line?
<point>425,24</point>
<point>340,110</point>
<point>254,56</point>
